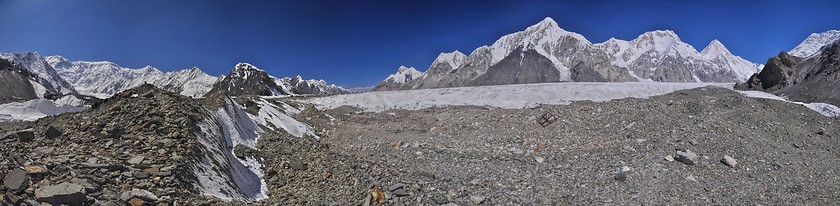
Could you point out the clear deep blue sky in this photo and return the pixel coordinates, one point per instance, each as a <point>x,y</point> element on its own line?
<point>358,43</point>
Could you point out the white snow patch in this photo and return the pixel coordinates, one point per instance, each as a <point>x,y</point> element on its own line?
<point>827,110</point>
<point>220,173</point>
<point>40,90</point>
<point>502,96</point>
<point>270,116</point>
<point>34,109</point>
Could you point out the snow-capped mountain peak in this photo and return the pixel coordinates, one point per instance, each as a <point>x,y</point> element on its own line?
<point>454,59</point>
<point>42,71</point>
<point>814,42</point>
<point>547,23</point>
<point>714,49</point>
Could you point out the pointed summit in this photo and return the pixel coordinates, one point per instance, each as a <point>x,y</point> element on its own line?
<point>715,48</point>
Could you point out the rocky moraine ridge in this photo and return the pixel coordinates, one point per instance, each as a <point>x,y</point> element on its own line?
<point>136,148</point>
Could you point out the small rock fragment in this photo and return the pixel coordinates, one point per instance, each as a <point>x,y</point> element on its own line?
<point>539,159</point>
<point>400,193</point>
<point>686,157</point>
<point>669,158</point>
<point>477,199</point>
<point>691,178</point>
<point>729,161</point>
<point>297,165</point>
<point>36,169</point>
<point>396,186</point>
<point>136,202</point>
<point>136,160</point>
<point>138,193</point>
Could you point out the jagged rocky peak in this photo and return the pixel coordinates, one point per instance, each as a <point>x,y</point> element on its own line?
<point>247,79</point>
<point>244,70</point>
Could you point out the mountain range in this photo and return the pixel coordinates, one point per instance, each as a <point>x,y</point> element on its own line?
<point>545,52</point>
<point>30,76</point>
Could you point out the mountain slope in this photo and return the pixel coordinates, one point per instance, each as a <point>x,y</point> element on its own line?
<point>43,75</point>
<point>104,79</point>
<point>814,42</point>
<point>812,79</point>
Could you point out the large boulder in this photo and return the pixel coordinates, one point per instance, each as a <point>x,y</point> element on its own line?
<point>53,132</point>
<point>16,180</point>
<point>64,193</point>
<point>26,135</point>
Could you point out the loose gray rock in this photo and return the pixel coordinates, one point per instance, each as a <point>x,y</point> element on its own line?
<point>53,132</point>
<point>400,193</point>
<point>686,157</point>
<point>136,160</point>
<point>396,186</point>
<point>539,159</point>
<point>138,193</point>
<point>729,161</point>
<point>64,193</point>
<point>477,199</point>
<point>16,180</point>
<point>669,158</point>
<point>297,165</point>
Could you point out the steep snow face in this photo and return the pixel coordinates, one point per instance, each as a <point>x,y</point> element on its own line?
<point>273,117</point>
<point>719,55</point>
<point>454,59</point>
<point>219,172</point>
<point>39,108</point>
<point>546,37</point>
<point>40,71</point>
<point>814,42</point>
<point>104,79</point>
<point>653,44</point>
<point>191,82</point>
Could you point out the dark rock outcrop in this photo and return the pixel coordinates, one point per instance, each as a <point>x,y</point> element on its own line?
<point>246,79</point>
<point>529,67</point>
<point>814,79</point>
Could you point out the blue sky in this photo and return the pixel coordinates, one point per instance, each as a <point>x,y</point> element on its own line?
<point>358,43</point>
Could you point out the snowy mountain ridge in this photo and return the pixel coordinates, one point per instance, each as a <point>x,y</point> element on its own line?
<point>657,55</point>
<point>42,72</point>
<point>814,42</point>
<point>103,78</point>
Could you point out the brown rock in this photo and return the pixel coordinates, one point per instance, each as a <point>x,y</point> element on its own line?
<point>136,202</point>
<point>36,169</point>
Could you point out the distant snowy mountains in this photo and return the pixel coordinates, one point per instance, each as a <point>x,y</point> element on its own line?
<point>545,52</point>
<point>28,76</point>
<point>103,79</point>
